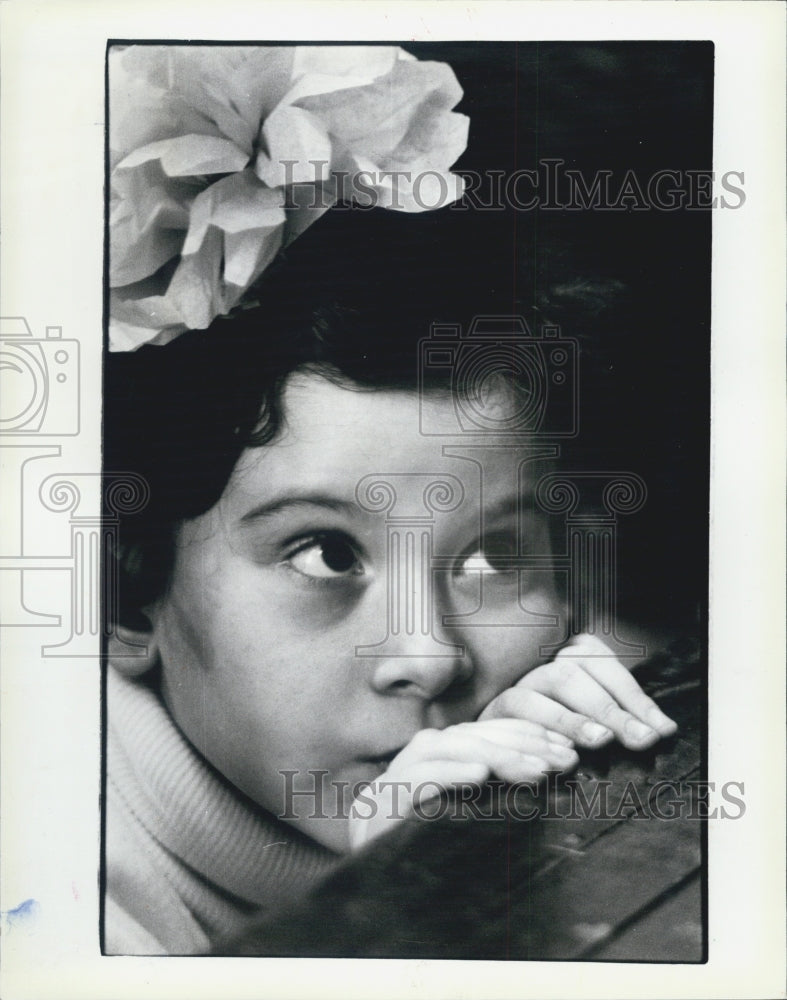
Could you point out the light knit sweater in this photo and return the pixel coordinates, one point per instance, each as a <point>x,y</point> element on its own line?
<point>187,859</point>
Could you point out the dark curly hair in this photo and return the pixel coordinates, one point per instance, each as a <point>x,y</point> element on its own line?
<point>352,299</point>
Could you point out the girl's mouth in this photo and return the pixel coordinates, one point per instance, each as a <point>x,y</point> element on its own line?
<point>382,760</point>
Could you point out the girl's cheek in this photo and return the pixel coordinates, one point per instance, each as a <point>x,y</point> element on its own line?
<point>503,656</point>
<point>290,600</point>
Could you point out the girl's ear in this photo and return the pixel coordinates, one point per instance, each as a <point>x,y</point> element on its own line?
<point>133,651</point>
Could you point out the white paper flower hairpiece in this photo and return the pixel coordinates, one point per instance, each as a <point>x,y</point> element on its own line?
<point>222,155</point>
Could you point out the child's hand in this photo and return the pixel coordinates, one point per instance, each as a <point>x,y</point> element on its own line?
<point>587,694</point>
<point>584,696</point>
<point>514,750</point>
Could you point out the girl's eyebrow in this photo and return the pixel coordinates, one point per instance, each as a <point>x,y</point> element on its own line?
<point>506,506</point>
<point>295,500</point>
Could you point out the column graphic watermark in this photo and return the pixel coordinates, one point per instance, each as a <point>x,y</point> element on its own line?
<point>515,395</point>
<point>39,406</point>
<point>590,553</point>
<point>409,546</point>
<point>94,537</point>
<point>53,523</point>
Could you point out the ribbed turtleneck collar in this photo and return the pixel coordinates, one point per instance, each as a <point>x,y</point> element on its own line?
<point>195,814</point>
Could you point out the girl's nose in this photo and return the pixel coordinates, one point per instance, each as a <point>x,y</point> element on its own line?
<point>417,671</point>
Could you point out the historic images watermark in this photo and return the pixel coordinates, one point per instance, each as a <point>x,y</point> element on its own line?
<point>40,381</point>
<point>551,186</point>
<point>309,794</point>
<point>41,400</point>
<point>495,351</point>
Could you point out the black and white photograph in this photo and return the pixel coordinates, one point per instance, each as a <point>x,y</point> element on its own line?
<point>409,368</point>
<point>387,504</point>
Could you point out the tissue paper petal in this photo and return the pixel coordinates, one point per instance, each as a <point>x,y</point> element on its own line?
<point>189,155</point>
<point>186,244</point>
<point>379,115</point>
<point>248,253</point>
<point>299,149</point>
<point>323,69</point>
<point>307,204</point>
<point>234,203</point>
<point>236,87</point>
<point>136,314</point>
<point>143,107</point>
<point>149,215</point>
<point>195,289</point>
<point>432,146</point>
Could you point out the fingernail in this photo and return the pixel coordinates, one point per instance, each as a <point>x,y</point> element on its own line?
<point>638,730</point>
<point>567,756</point>
<point>665,725</point>
<point>562,753</point>
<point>593,732</point>
<point>554,737</point>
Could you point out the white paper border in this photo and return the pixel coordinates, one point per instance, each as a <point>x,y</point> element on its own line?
<point>52,219</point>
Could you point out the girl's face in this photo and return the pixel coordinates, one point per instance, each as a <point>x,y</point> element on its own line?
<point>278,587</point>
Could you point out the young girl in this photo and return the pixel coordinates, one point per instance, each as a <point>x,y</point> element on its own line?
<point>337,587</point>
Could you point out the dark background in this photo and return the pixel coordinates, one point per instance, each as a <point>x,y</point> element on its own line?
<point>632,286</point>
<point>645,321</point>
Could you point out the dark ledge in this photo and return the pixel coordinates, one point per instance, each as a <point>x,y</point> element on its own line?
<point>620,881</point>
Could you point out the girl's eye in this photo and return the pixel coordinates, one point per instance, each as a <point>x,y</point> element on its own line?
<point>494,556</point>
<point>326,557</point>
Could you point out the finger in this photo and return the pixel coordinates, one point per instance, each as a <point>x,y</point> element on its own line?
<point>597,659</point>
<point>506,722</point>
<point>393,795</point>
<point>565,680</point>
<point>588,642</point>
<point>616,680</point>
<point>386,802</point>
<point>521,701</point>
<point>465,743</point>
<point>429,779</point>
<point>527,737</point>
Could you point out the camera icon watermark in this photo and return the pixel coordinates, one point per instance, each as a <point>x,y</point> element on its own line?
<point>39,381</point>
<point>503,378</point>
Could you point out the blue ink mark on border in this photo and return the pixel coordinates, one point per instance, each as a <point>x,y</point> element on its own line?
<point>20,914</point>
